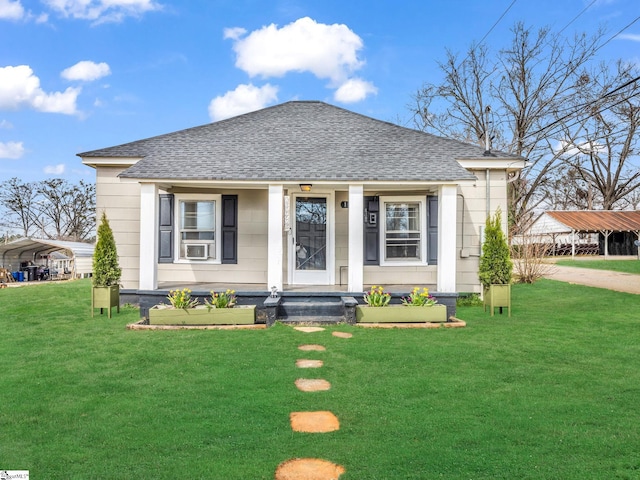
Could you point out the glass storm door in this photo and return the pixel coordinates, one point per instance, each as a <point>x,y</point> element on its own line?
<point>310,241</point>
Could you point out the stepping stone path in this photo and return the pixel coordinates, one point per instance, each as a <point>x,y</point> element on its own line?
<point>312,422</point>
<point>342,334</point>
<point>312,384</point>
<point>308,469</point>
<point>309,363</point>
<point>312,348</point>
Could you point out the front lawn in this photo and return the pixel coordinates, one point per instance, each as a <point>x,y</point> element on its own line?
<point>551,392</point>
<point>625,266</point>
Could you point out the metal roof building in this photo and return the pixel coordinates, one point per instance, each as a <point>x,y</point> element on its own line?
<point>35,250</point>
<point>605,222</point>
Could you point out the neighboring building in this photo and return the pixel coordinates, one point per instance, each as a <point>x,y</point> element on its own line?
<point>62,259</point>
<point>598,232</point>
<point>302,193</point>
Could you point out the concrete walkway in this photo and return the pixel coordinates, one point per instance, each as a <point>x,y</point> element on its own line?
<point>621,282</point>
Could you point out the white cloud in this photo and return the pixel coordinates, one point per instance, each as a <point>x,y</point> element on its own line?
<point>629,36</point>
<point>86,71</point>
<point>12,150</point>
<point>245,98</point>
<point>19,88</point>
<point>10,10</point>
<point>233,33</point>
<point>6,124</point>
<point>54,169</point>
<point>572,149</point>
<point>100,11</point>
<point>354,90</point>
<point>327,51</point>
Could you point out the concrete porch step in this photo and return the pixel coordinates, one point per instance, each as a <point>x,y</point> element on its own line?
<point>315,307</point>
<point>311,320</point>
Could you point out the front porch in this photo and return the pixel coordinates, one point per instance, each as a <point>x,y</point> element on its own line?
<point>295,304</point>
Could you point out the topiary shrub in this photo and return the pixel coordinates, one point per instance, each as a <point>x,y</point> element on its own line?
<point>496,266</point>
<point>106,271</point>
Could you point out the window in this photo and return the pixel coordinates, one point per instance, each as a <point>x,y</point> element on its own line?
<point>403,230</point>
<point>197,221</point>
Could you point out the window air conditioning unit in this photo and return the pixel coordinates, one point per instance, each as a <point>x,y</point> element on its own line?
<point>196,251</point>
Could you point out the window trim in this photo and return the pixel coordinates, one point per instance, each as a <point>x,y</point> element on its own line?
<point>194,197</point>
<point>382,221</point>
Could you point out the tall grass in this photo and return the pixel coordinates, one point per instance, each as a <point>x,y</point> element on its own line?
<point>551,392</point>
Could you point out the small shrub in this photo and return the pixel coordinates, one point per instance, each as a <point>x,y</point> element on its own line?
<point>495,262</point>
<point>106,271</point>
<point>469,300</point>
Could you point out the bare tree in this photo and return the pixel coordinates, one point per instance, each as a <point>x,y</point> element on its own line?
<point>607,139</point>
<point>511,96</point>
<point>18,200</point>
<point>52,208</point>
<point>566,189</point>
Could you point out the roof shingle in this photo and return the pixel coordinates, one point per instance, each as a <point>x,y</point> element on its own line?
<point>299,140</point>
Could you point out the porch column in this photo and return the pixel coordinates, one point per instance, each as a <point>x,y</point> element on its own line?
<point>447,224</point>
<point>274,242</point>
<point>356,238</point>
<point>148,273</point>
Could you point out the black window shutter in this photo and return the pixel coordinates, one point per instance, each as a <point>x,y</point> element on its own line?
<point>229,232</point>
<point>371,231</point>
<point>432,229</point>
<point>165,225</point>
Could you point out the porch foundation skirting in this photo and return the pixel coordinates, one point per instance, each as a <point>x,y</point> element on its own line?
<point>268,309</point>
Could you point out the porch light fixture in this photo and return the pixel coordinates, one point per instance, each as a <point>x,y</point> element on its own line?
<point>305,187</point>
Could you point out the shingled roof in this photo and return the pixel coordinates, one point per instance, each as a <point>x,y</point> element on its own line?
<point>298,141</point>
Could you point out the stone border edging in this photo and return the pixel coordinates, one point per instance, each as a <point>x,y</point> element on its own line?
<point>141,326</point>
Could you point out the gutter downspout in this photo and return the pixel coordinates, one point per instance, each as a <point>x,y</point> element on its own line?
<point>488,192</point>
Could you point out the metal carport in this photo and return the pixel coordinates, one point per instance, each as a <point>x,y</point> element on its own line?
<point>26,249</point>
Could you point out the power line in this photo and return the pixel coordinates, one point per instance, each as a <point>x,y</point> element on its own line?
<point>497,22</point>
<point>552,124</point>
<point>614,36</point>
<point>587,104</point>
<point>577,16</point>
<point>488,32</point>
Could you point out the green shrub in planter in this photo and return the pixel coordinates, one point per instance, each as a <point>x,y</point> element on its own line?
<point>106,271</point>
<point>496,266</point>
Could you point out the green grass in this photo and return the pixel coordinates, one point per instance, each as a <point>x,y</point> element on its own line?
<point>625,266</point>
<point>550,393</point>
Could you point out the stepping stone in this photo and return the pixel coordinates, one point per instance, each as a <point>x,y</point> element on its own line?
<point>309,363</point>
<point>312,385</point>
<point>342,334</point>
<point>308,469</point>
<point>314,422</point>
<point>309,329</point>
<point>312,348</point>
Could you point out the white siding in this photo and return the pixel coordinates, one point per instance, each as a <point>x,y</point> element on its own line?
<point>120,199</point>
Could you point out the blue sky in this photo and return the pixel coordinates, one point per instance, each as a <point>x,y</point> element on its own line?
<point>77,75</point>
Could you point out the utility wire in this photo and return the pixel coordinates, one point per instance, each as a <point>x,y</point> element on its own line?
<point>490,30</point>
<point>604,108</point>
<point>497,22</point>
<point>577,16</point>
<point>614,36</point>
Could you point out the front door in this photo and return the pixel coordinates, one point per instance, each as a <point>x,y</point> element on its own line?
<point>312,242</point>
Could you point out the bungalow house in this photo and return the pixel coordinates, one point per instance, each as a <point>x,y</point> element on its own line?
<point>300,194</point>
